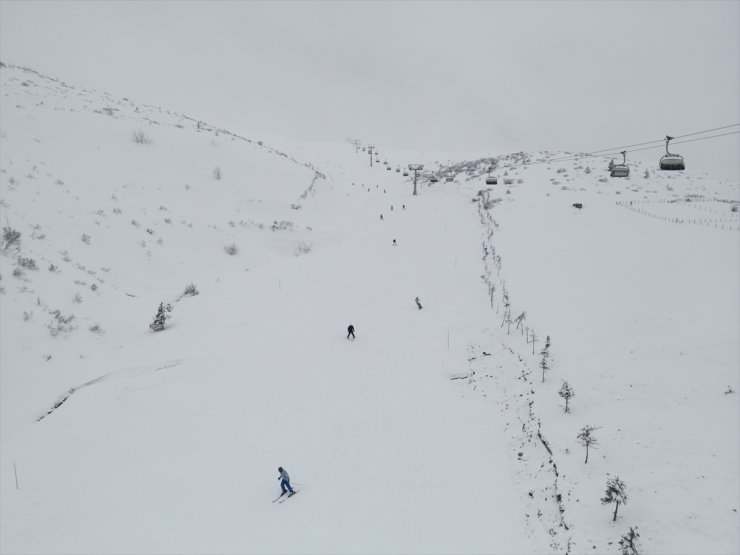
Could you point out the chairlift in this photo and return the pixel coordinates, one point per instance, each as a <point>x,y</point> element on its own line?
<point>671,161</point>
<point>433,179</point>
<point>398,170</point>
<point>621,170</point>
<point>405,173</point>
<point>449,178</point>
<point>490,180</point>
<point>388,168</point>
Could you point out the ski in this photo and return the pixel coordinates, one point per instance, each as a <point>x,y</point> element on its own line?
<point>278,497</point>
<point>289,496</point>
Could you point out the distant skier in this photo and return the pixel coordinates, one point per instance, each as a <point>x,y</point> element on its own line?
<point>418,302</point>
<point>394,242</point>
<point>403,206</point>
<point>285,481</point>
<point>381,216</point>
<point>391,208</point>
<point>351,331</point>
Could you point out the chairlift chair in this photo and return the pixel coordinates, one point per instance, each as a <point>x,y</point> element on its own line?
<point>398,170</point>
<point>671,161</point>
<point>433,179</point>
<point>405,173</point>
<point>490,180</point>
<point>449,178</point>
<point>621,170</point>
<point>388,168</point>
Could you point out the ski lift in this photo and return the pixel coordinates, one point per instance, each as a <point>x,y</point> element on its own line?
<point>621,170</point>
<point>449,178</point>
<point>398,170</point>
<point>490,180</point>
<point>405,173</point>
<point>388,168</point>
<point>433,179</point>
<point>671,161</point>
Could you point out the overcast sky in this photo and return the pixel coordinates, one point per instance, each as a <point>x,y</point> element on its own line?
<point>482,76</point>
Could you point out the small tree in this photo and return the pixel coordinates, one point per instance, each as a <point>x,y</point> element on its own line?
<point>616,492</point>
<point>520,320</point>
<point>567,393</point>
<point>628,542</point>
<point>587,439</point>
<point>161,317</point>
<point>545,363</point>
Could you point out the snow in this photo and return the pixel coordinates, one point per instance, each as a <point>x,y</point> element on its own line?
<point>421,436</point>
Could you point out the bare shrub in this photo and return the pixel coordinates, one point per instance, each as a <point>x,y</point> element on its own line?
<point>191,290</point>
<point>18,273</point>
<point>60,323</point>
<point>77,298</point>
<point>141,138</point>
<point>217,173</point>
<point>231,249</point>
<point>95,328</point>
<point>27,316</point>
<point>302,248</point>
<point>85,238</point>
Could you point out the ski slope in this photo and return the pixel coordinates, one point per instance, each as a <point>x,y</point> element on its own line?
<point>427,434</point>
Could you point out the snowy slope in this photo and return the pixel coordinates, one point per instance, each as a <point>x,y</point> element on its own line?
<point>421,435</point>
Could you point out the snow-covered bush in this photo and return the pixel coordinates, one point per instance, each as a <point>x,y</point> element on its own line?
<point>231,249</point>
<point>85,238</point>
<point>11,237</point>
<point>27,263</point>
<point>161,317</point>
<point>616,492</point>
<point>95,328</point>
<point>628,542</point>
<point>77,298</point>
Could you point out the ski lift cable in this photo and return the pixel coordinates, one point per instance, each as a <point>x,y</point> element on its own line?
<point>618,150</point>
<point>676,143</point>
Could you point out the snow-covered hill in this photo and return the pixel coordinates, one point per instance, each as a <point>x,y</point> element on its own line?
<point>433,431</point>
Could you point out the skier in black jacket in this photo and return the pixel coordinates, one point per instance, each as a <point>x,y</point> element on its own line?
<point>351,331</point>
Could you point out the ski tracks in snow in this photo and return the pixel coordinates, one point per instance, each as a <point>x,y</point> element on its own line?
<point>148,369</point>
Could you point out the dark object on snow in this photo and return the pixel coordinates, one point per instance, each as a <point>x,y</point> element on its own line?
<point>394,242</point>
<point>350,331</point>
<point>418,302</point>
<point>578,205</point>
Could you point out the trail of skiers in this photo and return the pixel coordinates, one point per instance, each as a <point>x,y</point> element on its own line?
<point>283,477</point>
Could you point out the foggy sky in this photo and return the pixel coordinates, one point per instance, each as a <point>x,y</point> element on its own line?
<point>481,76</point>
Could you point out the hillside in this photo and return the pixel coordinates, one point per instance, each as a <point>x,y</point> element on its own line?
<point>433,431</point>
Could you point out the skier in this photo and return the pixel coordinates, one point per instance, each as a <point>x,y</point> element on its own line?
<point>285,481</point>
<point>351,331</point>
<point>394,242</point>
<point>418,302</point>
<point>381,216</point>
<point>403,206</point>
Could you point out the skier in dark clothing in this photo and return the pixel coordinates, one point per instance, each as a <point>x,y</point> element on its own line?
<point>351,331</point>
<point>285,481</point>
<point>418,302</point>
